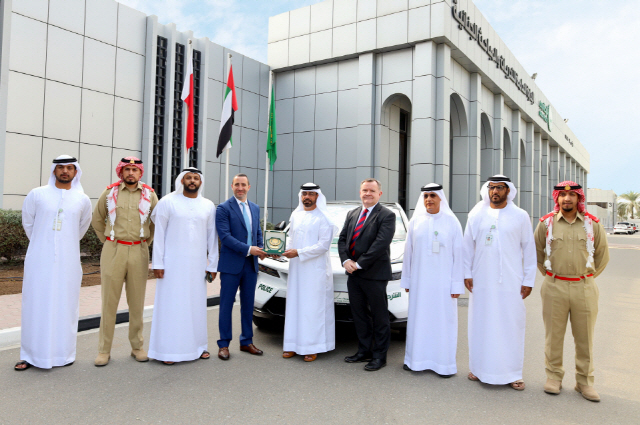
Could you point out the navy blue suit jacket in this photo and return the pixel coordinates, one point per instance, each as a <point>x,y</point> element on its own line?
<point>233,235</point>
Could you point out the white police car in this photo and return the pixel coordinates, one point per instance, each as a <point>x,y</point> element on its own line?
<point>271,290</point>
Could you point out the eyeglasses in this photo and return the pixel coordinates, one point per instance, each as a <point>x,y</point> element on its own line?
<point>430,195</point>
<point>499,188</point>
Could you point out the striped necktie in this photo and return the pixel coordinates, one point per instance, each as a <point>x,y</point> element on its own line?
<point>356,231</point>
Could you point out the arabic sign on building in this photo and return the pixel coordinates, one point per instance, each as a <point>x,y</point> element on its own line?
<point>475,33</point>
<point>545,114</point>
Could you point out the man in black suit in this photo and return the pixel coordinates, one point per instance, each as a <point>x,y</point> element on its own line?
<point>364,248</point>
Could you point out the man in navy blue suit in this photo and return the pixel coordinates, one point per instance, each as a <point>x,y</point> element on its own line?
<point>238,264</point>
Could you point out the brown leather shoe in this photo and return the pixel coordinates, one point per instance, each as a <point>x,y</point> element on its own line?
<point>288,354</point>
<point>310,357</point>
<point>223,353</point>
<point>251,349</point>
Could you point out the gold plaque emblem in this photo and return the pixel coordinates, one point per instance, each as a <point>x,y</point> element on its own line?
<point>132,162</point>
<point>274,244</point>
<point>567,187</point>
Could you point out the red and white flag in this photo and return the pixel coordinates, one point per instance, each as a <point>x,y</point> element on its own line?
<point>187,97</point>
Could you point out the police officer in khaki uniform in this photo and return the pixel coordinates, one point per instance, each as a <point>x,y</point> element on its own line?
<point>121,220</point>
<point>572,251</point>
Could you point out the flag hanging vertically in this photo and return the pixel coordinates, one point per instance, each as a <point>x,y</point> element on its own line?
<point>271,134</point>
<point>229,106</point>
<point>187,97</point>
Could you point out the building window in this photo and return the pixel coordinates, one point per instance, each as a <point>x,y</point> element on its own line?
<point>176,141</point>
<point>193,153</point>
<point>403,147</point>
<point>158,121</point>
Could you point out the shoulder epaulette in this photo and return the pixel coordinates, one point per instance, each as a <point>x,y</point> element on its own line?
<point>112,185</point>
<point>148,187</point>
<point>551,214</point>
<point>592,217</point>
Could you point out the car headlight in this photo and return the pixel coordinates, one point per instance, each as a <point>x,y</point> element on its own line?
<point>396,276</point>
<point>268,270</point>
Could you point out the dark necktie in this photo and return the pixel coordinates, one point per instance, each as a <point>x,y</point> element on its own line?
<point>356,232</point>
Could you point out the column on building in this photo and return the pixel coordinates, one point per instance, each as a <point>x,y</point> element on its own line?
<point>475,139</point>
<point>544,175</point>
<point>554,171</point>
<point>366,113</point>
<point>498,134</point>
<point>537,172</point>
<point>562,160</point>
<point>526,199</point>
<point>512,163</point>
<point>429,150</point>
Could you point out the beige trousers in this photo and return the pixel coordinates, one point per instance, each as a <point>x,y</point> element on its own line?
<point>577,301</point>
<point>129,265</point>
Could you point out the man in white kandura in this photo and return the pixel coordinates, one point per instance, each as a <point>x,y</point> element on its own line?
<point>433,270</point>
<point>309,326</point>
<point>500,266</point>
<point>185,250</point>
<point>55,217</point>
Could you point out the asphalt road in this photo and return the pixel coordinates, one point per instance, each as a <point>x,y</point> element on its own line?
<point>271,389</point>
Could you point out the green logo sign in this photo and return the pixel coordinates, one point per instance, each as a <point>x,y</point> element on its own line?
<point>394,295</point>
<point>545,113</point>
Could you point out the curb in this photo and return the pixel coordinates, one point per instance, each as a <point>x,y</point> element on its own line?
<point>11,336</point>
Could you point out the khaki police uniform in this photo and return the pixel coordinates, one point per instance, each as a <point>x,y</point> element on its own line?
<point>577,299</point>
<point>119,263</point>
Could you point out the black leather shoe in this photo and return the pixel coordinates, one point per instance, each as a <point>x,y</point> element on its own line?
<point>405,367</point>
<point>445,376</point>
<point>358,357</point>
<point>375,364</point>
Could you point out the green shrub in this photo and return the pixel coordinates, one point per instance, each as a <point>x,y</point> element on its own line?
<point>90,244</point>
<point>13,239</point>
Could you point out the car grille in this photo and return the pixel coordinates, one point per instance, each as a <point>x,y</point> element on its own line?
<point>268,270</point>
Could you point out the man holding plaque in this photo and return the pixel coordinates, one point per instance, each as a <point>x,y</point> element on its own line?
<point>309,326</point>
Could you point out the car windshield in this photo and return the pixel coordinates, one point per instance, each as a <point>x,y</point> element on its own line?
<point>338,214</point>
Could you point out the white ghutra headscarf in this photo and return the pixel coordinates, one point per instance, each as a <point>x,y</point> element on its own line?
<point>421,209</point>
<point>321,204</point>
<point>484,193</point>
<point>67,159</point>
<point>179,187</point>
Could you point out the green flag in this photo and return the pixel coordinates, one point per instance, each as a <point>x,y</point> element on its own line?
<point>271,135</point>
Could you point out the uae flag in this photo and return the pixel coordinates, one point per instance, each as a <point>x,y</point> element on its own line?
<point>187,97</point>
<point>229,106</point>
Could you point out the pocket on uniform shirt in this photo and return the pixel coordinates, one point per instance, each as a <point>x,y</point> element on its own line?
<point>558,241</point>
<point>582,242</point>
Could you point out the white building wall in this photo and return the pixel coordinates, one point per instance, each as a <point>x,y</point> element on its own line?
<point>75,86</point>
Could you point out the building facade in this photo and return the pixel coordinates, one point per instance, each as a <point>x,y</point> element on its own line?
<point>604,205</point>
<point>407,91</point>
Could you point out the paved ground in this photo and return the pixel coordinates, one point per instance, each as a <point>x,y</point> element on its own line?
<point>272,389</point>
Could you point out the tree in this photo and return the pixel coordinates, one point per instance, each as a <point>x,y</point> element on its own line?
<point>631,199</point>
<point>622,211</point>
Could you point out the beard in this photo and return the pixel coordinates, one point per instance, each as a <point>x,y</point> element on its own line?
<point>567,208</point>
<point>191,189</point>
<point>308,203</point>
<point>64,180</point>
<point>497,199</point>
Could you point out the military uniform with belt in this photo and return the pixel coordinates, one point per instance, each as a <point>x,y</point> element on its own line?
<point>124,259</point>
<point>569,291</point>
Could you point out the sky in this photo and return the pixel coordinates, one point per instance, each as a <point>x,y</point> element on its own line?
<point>586,54</point>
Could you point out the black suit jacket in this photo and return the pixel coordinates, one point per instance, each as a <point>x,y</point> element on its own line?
<point>373,252</point>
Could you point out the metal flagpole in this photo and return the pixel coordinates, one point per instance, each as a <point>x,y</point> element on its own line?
<point>185,157</point>
<point>226,190</point>
<point>266,165</point>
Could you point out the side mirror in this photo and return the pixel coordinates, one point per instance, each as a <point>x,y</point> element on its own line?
<point>280,226</point>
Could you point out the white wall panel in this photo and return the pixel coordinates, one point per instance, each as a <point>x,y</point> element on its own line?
<point>67,14</point>
<point>64,56</point>
<point>25,103</point>
<point>129,75</point>
<point>344,40</point>
<point>305,81</point>
<point>28,50</point>
<point>96,165</point>
<point>127,124</point>
<point>326,111</point>
<point>36,9</point>
<point>96,126</point>
<point>132,29</point>
<point>300,21</point>
<point>101,20</point>
<point>21,176</point>
<point>99,66</point>
<point>327,78</point>
<point>322,16</point>
<point>62,111</point>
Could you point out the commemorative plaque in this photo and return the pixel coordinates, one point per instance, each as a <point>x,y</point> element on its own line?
<point>275,242</point>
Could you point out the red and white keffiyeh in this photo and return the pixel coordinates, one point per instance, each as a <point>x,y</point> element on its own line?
<point>144,206</point>
<point>588,221</point>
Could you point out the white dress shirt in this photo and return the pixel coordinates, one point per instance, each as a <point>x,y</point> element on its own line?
<point>365,220</point>
<point>246,205</point>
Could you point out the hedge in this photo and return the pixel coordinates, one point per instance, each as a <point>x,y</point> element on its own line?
<point>14,241</point>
